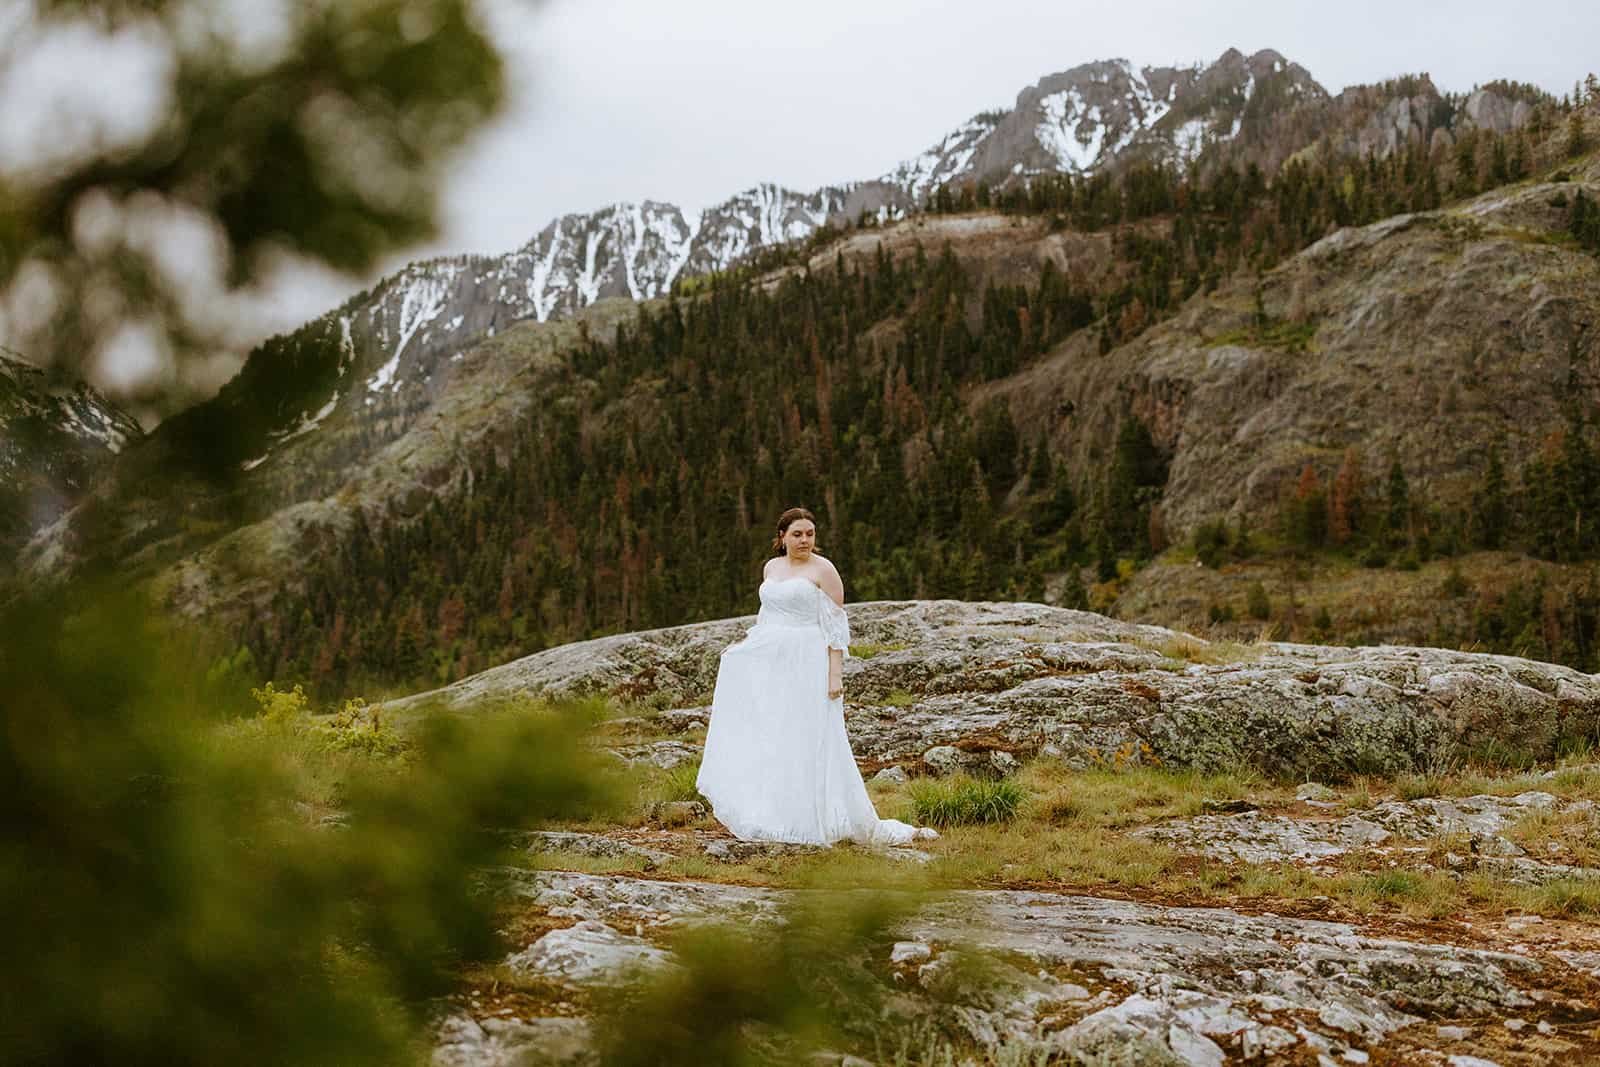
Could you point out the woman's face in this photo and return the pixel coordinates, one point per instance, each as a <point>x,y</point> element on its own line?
<point>800,538</point>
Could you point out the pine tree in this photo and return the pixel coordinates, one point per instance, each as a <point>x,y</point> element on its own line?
<point>1344,498</point>
<point>1308,524</point>
<point>1257,602</point>
<point>1073,593</point>
<point>1060,505</point>
<point>1490,508</point>
<point>1137,473</point>
<point>1398,517</point>
<point>997,444</point>
<point>1040,471</point>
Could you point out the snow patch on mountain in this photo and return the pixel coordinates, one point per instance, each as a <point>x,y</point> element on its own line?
<point>1189,139</point>
<point>424,296</point>
<point>1070,133</point>
<point>942,163</point>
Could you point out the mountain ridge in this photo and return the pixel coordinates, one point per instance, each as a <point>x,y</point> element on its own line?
<point>336,394</point>
<point>1227,112</point>
<point>51,442</point>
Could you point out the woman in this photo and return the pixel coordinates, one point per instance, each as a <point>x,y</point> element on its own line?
<point>777,763</point>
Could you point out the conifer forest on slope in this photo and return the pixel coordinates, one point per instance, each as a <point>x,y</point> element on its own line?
<point>643,492</point>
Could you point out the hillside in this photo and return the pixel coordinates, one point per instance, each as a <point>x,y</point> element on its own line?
<point>963,464</point>
<point>994,399</point>
<point>310,405</point>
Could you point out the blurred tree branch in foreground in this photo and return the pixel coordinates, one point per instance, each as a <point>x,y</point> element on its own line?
<point>255,130</point>
<point>166,900</point>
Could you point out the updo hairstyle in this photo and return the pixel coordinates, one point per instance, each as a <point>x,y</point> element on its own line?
<point>784,522</point>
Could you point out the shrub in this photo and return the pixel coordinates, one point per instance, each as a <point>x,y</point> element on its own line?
<point>356,727</point>
<point>1256,601</point>
<point>1211,542</point>
<point>158,877</point>
<point>280,707</point>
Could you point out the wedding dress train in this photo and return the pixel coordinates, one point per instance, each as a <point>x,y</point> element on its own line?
<point>777,763</point>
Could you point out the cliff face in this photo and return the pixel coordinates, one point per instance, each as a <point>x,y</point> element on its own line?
<point>1426,337</point>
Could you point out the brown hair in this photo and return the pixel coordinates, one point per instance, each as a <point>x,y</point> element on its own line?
<point>784,522</point>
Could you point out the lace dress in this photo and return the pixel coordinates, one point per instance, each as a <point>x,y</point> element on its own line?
<point>777,763</point>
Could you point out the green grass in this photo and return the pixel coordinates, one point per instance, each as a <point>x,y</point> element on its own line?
<point>1564,897</point>
<point>962,801</point>
<point>1275,333</point>
<point>898,698</point>
<point>679,783</point>
<point>867,650</point>
<point>1391,885</point>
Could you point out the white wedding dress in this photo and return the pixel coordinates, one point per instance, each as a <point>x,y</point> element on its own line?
<point>777,763</point>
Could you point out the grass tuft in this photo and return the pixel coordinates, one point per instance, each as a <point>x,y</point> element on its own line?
<point>965,801</point>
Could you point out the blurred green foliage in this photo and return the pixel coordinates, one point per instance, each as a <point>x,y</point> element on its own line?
<point>320,128</point>
<point>167,901</point>
<point>771,993</point>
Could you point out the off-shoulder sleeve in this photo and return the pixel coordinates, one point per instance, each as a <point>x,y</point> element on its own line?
<point>835,624</point>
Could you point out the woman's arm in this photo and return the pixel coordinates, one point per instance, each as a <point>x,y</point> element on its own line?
<point>833,588</point>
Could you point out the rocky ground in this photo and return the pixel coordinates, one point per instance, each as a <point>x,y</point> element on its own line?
<point>1248,853</point>
<point>1001,682</point>
<point>1082,976</point>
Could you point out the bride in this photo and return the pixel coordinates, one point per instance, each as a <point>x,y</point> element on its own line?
<point>777,764</point>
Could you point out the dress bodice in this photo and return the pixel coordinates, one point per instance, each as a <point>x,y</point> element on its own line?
<point>789,600</point>
<point>799,601</point>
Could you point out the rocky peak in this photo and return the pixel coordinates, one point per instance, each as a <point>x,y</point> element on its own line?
<point>51,443</point>
<point>1490,109</point>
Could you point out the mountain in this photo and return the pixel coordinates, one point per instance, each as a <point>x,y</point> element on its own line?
<point>51,443</point>
<point>381,412</point>
<point>378,362</point>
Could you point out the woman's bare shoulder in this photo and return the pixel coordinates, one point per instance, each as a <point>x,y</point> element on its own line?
<point>828,580</point>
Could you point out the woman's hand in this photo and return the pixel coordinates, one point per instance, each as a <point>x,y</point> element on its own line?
<point>835,674</point>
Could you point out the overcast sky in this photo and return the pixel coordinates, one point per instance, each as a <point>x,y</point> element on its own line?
<point>691,101</point>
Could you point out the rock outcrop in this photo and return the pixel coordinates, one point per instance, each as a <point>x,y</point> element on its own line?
<point>1024,679</point>
<point>1439,833</point>
<point>1076,976</point>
